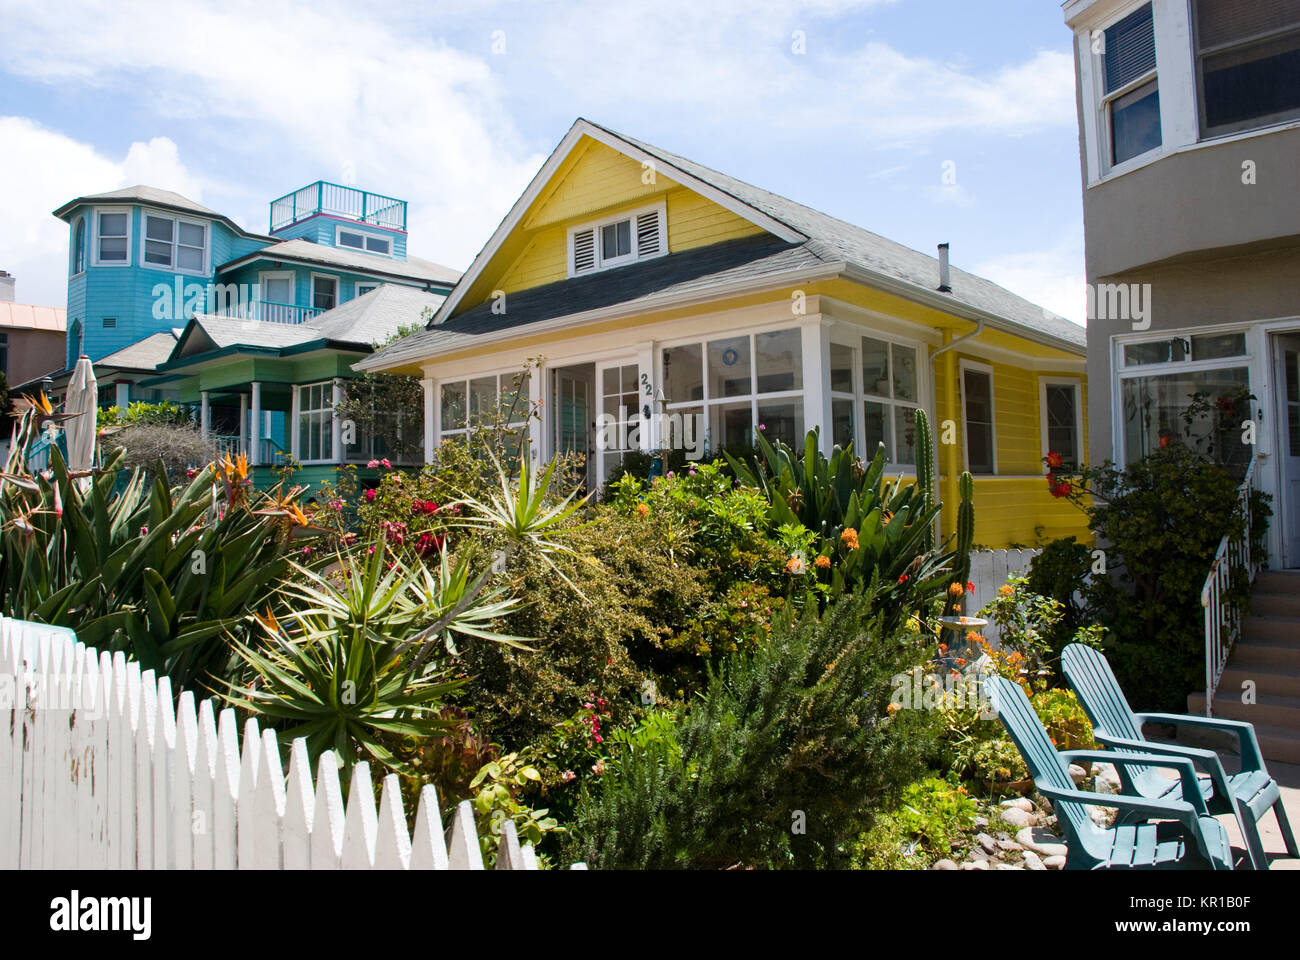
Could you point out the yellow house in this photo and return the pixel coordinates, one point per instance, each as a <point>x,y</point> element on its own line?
<point>672,305</point>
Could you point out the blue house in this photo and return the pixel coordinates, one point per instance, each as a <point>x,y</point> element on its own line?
<point>174,301</point>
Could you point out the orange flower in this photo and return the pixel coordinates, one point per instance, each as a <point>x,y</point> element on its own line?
<point>642,509</point>
<point>894,708</point>
<point>795,565</point>
<point>823,563</point>
<point>956,590</point>
<point>1006,590</point>
<point>850,538</point>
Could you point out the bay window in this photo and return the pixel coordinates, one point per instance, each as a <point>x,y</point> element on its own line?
<point>113,237</point>
<point>1131,101</point>
<point>468,404</point>
<point>1247,63</point>
<point>891,394</point>
<point>174,243</point>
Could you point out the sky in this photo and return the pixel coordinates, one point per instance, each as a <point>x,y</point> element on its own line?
<point>922,120</point>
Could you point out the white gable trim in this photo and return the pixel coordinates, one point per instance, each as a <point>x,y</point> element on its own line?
<point>543,177</point>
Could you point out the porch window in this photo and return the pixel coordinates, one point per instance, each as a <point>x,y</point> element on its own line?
<point>977,406</point>
<point>891,395</point>
<point>324,292</point>
<point>738,383</point>
<point>495,398</point>
<point>179,244</point>
<point>1132,91</point>
<point>113,238</point>
<point>316,422</point>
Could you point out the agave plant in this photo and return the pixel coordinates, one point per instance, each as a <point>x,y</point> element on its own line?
<point>135,566</point>
<point>349,662</point>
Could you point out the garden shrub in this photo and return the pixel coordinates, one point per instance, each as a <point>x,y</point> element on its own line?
<point>932,816</point>
<point>780,762</point>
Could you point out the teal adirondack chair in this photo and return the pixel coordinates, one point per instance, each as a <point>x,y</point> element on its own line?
<point>1248,795</point>
<point>1188,839</point>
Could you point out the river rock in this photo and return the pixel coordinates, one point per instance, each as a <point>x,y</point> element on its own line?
<point>975,865</point>
<point>1032,862</point>
<point>944,865</point>
<point>1017,817</point>
<point>1054,863</point>
<point>1041,842</point>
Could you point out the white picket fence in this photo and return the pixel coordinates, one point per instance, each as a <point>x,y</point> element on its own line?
<point>97,770</point>
<point>989,570</point>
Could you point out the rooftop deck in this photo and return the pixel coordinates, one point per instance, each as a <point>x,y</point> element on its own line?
<point>338,201</point>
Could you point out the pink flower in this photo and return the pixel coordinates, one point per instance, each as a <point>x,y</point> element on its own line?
<point>372,464</point>
<point>385,464</point>
<point>568,776</point>
<point>191,473</point>
<point>370,496</point>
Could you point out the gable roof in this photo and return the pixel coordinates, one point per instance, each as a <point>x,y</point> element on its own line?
<point>353,325</point>
<point>823,241</point>
<point>144,354</point>
<point>155,197</point>
<point>302,251</point>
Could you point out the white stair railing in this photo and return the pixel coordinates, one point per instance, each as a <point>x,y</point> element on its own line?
<point>1223,617</point>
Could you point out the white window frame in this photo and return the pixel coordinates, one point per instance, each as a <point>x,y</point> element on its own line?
<point>372,285</point>
<point>1103,100</point>
<point>311,290</point>
<point>1198,62</point>
<point>203,270</point>
<point>300,411</point>
<point>80,257</point>
<point>634,257</point>
<point>890,402</point>
<point>265,275</point>
<point>985,368</point>
<point>501,375</point>
<point>130,227</point>
<point>365,241</point>
<point>1077,384</point>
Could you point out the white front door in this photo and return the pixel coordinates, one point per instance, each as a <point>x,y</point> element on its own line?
<point>1287,377</point>
<point>619,411</point>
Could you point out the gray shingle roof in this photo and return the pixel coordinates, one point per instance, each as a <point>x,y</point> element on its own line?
<point>413,268</point>
<point>144,354</point>
<point>143,194</point>
<point>829,240</point>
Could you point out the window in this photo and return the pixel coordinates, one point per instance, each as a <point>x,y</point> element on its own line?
<point>468,404</point>
<point>276,288</point>
<point>977,406</point>
<point>1132,94</point>
<point>1062,420</point>
<point>890,398</point>
<point>843,397</point>
<point>316,422</point>
<point>364,241</point>
<point>625,238</point>
<point>738,383</point>
<point>324,292</point>
<point>4,354</point>
<point>113,237</point>
<point>620,407</point>
<point>179,244</point>
<point>79,246</point>
<point>1189,389</point>
<point>364,288</point>
<point>1247,63</point>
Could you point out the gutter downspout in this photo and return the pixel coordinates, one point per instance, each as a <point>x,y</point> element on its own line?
<point>950,462</point>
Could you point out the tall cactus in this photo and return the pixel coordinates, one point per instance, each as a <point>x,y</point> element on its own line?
<point>965,528</point>
<point>925,469</point>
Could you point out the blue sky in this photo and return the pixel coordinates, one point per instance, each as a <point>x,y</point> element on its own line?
<point>454,107</point>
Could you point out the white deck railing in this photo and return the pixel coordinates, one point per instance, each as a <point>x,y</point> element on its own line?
<point>99,770</point>
<point>1222,617</point>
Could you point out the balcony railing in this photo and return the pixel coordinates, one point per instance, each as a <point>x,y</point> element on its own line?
<point>338,201</point>
<point>269,311</point>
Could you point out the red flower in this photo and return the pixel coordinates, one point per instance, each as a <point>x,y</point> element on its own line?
<point>370,496</point>
<point>904,578</point>
<point>1165,441</point>
<point>1054,460</point>
<point>1061,491</point>
<point>970,586</point>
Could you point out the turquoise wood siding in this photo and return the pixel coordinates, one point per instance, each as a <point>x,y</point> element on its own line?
<point>323,228</point>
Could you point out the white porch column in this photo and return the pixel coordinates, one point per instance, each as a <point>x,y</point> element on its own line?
<point>122,394</point>
<point>336,441</point>
<point>243,426</point>
<point>537,425</point>
<point>255,440</point>
<point>645,363</point>
<point>205,415</point>
<point>293,424</point>
<point>817,380</point>
<point>432,418</point>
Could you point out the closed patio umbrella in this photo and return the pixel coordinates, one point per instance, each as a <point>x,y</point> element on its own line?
<point>82,402</point>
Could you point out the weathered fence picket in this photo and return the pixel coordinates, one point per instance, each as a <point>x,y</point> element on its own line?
<point>989,570</point>
<point>101,766</point>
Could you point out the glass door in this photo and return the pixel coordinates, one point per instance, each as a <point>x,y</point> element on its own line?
<point>619,427</point>
<point>573,414</point>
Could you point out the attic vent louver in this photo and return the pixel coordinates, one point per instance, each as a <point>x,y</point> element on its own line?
<point>584,250</point>
<point>647,234</point>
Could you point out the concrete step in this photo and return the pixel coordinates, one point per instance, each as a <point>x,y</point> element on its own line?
<point>1275,605</point>
<point>1279,744</point>
<point>1278,581</point>
<point>1268,710</point>
<point>1266,655</point>
<point>1279,683</point>
<point>1284,630</point>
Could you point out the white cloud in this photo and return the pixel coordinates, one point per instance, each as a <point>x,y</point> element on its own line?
<point>158,164</point>
<point>1053,278</point>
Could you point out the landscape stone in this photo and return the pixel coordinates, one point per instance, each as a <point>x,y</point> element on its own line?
<point>1041,842</point>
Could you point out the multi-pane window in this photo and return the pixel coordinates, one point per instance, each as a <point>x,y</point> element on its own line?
<point>977,405</point>
<point>364,288</point>
<point>1187,389</point>
<point>891,392</point>
<point>324,292</point>
<point>4,354</point>
<point>1247,63</point>
<point>1132,92</point>
<point>738,383</point>
<point>113,237</point>
<point>365,241</point>
<point>316,422</point>
<point>468,404</point>
<point>625,238</point>
<point>1062,421</point>
<point>843,396</point>
<point>620,411</point>
<point>169,242</point>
